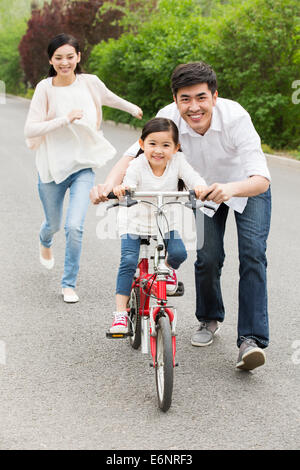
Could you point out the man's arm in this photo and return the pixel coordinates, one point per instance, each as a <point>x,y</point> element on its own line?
<point>222,192</point>
<point>99,192</point>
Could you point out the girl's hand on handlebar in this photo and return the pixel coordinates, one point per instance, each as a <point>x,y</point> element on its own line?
<point>119,191</point>
<point>75,114</point>
<point>200,190</point>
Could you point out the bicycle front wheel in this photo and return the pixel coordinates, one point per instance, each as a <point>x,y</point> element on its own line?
<point>164,371</point>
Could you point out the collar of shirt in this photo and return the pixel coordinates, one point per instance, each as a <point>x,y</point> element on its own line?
<point>215,125</point>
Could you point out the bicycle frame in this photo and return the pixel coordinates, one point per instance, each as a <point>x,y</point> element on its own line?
<point>157,284</point>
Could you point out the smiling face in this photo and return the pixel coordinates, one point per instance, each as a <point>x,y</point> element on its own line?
<point>65,60</point>
<point>195,104</point>
<point>159,147</point>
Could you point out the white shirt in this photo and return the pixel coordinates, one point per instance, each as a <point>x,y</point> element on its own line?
<point>77,145</point>
<point>140,219</point>
<point>229,151</point>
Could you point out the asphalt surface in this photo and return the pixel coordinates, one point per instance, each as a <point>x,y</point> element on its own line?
<point>63,385</point>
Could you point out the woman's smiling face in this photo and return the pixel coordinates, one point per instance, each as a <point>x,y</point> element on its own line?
<point>65,60</point>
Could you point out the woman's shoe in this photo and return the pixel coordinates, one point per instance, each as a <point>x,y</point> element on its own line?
<point>70,298</point>
<point>47,263</point>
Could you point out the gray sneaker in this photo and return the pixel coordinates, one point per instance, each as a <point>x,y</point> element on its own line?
<point>204,335</point>
<point>250,355</point>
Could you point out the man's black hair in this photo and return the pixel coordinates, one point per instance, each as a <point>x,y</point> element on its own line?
<point>193,73</point>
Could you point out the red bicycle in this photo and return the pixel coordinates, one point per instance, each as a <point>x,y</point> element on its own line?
<point>153,326</point>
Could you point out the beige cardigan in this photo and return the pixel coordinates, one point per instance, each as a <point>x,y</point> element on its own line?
<point>41,116</point>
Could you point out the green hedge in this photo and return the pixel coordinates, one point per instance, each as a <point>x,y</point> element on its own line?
<point>253,46</point>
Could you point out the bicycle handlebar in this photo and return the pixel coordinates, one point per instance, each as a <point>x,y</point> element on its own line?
<point>128,201</point>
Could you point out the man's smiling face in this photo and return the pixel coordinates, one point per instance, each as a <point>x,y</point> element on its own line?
<point>195,104</point>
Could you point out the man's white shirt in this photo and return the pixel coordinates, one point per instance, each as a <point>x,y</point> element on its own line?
<point>229,151</point>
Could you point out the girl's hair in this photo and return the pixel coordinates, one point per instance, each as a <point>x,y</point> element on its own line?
<point>162,125</point>
<point>58,41</point>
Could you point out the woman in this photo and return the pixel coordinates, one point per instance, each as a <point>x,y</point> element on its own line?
<point>63,126</point>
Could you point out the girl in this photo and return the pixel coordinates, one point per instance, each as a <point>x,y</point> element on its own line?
<point>159,167</point>
<point>63,126</point>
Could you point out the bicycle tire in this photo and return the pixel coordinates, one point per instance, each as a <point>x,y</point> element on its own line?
<point>164,371</point>
<point>134,319</point>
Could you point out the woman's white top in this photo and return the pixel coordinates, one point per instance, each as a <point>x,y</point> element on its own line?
<point>64,148</point>
<point>140,218</point>
<point>77,145</point>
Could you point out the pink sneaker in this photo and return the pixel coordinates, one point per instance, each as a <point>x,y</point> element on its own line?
<point>120,323</point>
<point>172,283</point>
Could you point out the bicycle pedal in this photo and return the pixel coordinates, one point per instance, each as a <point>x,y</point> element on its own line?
<point>118,335</point>
<point>179,291</point>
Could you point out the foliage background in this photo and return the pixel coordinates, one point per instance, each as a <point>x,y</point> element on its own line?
<point>253,46</point>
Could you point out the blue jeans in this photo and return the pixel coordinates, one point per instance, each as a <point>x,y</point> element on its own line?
<point>52,196</point>
<point>253,228</point>
<point>130,249</point>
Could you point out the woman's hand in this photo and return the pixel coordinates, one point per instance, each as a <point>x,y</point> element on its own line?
<point>75,114</point>
<point>119,191</point>
<point>98,193</point>
<point>139,114</point>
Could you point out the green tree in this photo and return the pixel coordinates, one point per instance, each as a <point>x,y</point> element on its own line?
<point>257,60</point>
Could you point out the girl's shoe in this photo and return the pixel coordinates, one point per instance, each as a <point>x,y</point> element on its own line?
<point>70,298</point>
<point>120,323</point>
<point>172,283</point>
<point>47,263</point>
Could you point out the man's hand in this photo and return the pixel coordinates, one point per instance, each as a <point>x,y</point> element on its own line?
<point>218,192</point>
<point>119,191</point>
<point>98,193</point>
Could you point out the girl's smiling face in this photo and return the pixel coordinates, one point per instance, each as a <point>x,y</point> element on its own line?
<point>65,60</point>
<point>159,147</point>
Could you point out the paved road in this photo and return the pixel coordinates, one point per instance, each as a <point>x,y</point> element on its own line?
<point>65,386</point>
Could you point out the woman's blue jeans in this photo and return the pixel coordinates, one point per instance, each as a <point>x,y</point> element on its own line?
<point>252,228</point>
<point>52,196</point>
<point>130,249</point>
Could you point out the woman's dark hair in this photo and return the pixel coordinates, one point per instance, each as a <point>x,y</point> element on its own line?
<point>162,125</point>
<point>193,73</point>
<point>58,41</point>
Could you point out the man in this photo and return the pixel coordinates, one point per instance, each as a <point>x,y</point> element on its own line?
<point>220,141</point>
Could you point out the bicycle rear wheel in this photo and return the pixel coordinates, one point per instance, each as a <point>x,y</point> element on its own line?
<point>134,318</point>
<point>164,371</point>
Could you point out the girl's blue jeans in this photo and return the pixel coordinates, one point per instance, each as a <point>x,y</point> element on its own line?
<point>252,228</point>
<point>52,197</point>
<point>130,249</point>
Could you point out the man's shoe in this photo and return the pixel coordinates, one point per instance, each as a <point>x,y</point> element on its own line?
<point>250,355</point>
<point>204,335</point>
<point>120,323</point>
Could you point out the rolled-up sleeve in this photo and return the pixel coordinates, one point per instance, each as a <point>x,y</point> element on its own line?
<point>248,147</point>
